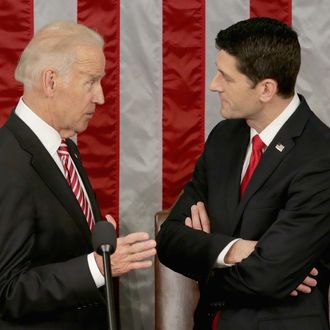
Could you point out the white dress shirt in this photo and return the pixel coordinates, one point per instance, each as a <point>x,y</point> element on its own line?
<point>267,136</point>
<point>51,140</point>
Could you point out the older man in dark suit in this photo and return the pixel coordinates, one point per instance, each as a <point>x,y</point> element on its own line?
<point>264,178</point>
<point>50,278</point>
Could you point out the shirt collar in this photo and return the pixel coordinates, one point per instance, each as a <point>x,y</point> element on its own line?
<point>268,134</point>
<point>48,136</point>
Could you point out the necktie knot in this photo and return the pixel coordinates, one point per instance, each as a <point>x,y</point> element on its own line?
<point>257,146</point>
<point>63,148</point>
<point>257,143</point>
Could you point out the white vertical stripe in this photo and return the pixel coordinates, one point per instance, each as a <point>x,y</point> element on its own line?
<point>140,145</point>
<point>46,11</point>
<point>312,21</point>
<point>219,15</point>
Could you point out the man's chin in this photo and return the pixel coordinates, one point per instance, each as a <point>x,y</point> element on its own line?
<point>82,127</point>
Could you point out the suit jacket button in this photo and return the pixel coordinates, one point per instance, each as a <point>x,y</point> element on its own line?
<point>211,274</point>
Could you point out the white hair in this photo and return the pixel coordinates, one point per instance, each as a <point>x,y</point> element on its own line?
<point>54,46</point>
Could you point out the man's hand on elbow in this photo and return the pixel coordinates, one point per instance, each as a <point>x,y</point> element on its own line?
<point>243,248</point>
<point>307,285</point>
<point>240,250</point>
<point>199,219</point>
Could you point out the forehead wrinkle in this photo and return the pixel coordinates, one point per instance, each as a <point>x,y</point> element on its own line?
<point>90,66</point>
<point>92,74</point>
<point>87,54</point>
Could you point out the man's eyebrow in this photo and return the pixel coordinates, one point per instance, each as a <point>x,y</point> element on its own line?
<point>226,75</point>
<point>93,75</point>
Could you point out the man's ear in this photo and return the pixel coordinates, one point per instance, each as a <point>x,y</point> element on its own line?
<point>268,88</point>
<point>49,78</point>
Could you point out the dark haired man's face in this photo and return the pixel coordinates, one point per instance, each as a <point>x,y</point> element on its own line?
<point>238,97</point>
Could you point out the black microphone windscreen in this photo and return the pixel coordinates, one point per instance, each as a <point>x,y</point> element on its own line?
<point>104,233</point>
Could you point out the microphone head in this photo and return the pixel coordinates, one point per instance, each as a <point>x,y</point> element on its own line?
<point>104,233</point>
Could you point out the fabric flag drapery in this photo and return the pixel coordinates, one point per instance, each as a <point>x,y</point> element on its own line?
<point>142,144</point>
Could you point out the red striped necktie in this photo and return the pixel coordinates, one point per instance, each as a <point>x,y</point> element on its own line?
<point>257,146</point>
<point>71,176</point>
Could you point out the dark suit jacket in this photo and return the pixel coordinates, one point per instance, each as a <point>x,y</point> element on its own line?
<point>45,282</point>
<point>286,207</point>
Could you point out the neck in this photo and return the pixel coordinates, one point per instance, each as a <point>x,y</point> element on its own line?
<point>37,105</point>
<point>269,113</point>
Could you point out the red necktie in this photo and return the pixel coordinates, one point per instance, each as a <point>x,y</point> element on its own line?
<point>215,321</point>
<point>257,146</point>
<point>73,181</point>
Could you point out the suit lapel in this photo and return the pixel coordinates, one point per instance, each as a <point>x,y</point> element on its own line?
<point>269,162</point>
<point>278,150</point>
<point>240,140</point>
<point>48,171</point>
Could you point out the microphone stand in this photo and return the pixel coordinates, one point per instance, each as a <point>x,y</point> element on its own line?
<point>106,251</point>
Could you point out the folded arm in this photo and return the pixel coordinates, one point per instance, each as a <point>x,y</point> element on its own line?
<point>241,248</point>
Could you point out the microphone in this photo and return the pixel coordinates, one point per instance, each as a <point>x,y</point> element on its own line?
<point>105,242</point>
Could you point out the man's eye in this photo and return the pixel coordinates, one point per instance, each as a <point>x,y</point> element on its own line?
<point>223,76</point>
<point>227,79</point>
<point>91,82</point>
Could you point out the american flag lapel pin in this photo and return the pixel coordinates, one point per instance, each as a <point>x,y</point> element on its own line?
<point>280,147</point>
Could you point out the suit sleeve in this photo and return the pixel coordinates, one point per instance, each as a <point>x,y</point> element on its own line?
<point>25,286</point>
<point>190,252</point>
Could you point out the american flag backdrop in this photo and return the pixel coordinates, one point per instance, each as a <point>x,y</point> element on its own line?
<point>141,145</point>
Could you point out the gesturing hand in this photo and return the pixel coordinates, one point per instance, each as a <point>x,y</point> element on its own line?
<point>133,252</point>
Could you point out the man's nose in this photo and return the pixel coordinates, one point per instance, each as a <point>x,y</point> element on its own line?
<point>216,84</point>
<point>99,96</point>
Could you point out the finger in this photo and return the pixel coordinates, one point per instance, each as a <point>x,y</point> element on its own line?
<point>310,281</point>
<point>303,288</point>
<point>110,219</point>
<point>204,218</point>
<point>196,223</point>
<point>142,246</point>
<point>294,293</point>
<point>188,222</point>
<point>140,265</point>
<point>314,272</point>
<point>141,256</point>
<point>133,237</point>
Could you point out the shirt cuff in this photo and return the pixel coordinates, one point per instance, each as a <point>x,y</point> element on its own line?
<point>220,262</point>
<point>95,272</point>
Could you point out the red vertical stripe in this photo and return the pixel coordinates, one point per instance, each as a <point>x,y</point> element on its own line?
<point>16,30</point>
<point>99,145</point>
<point>183,92</point>
<point>278,9</point>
